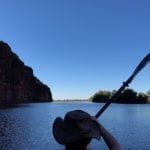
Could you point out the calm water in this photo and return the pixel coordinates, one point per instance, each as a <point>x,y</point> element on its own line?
<point>29,127</point>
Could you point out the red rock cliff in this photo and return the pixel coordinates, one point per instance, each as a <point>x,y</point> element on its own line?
<point>17,81</point>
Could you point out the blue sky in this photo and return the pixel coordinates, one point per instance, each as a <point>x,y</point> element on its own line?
<point>78,47</point>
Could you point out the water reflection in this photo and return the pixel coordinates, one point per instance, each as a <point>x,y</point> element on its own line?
<point>13,128</point>
<point>5,130</point>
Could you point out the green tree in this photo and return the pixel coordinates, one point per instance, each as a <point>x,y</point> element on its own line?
<point>148,94</point>
<point>101,96</point>
<point>128,96</point>
<point>142,98</point>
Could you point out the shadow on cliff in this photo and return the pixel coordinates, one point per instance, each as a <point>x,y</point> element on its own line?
<point>18,83</point>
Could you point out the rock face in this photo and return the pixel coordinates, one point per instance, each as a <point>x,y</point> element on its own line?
<point>17,81</point>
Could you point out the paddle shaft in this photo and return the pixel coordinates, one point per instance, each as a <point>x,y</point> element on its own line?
<point>113,98</point>
<point>125,84</point>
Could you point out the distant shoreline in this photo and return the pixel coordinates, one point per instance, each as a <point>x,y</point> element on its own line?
<point>72,100</point>
<point>86,100</point>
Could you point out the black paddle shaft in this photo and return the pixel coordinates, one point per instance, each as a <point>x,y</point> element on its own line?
<point>141,65</point>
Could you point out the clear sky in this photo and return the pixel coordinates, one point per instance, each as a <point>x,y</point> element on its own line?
<point>78,47</point>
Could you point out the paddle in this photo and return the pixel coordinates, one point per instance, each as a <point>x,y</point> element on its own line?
<point>141,65</point>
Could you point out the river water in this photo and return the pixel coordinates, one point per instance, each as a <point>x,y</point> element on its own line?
<point>29,127</point>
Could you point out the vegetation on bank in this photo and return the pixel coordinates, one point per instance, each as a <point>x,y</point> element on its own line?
<point>129,96</point>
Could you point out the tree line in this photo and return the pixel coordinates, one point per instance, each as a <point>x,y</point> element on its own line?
<point>128,96</point>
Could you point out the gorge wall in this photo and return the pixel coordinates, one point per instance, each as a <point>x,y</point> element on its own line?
<point>17,81</point>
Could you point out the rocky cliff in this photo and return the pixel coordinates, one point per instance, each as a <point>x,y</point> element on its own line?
<point>17,81</point>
